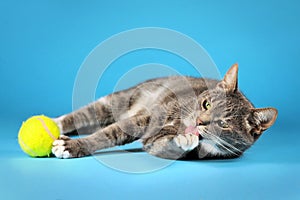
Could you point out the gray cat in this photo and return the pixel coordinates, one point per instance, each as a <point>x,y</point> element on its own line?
<point>174,117</point>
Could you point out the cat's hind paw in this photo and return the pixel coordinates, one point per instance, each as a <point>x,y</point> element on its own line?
<point>187,141</point>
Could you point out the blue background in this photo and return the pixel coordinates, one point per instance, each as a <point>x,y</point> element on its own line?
<point>43,44</point>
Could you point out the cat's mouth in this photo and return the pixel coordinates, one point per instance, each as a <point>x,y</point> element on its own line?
<point>194,130</point>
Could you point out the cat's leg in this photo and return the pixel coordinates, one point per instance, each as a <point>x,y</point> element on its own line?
<point>87,119</point>
<point>98,114</point>
<point>170,144</point>
<point>119,133</point>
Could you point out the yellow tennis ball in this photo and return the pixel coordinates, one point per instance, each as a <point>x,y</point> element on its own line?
<point>37,134</point>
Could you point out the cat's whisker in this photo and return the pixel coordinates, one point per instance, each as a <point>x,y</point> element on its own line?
<point>230,148</point>
<point>223,146</point>
<point>229,145</point>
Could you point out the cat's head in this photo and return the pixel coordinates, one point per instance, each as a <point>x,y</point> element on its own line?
<point>227,122</point>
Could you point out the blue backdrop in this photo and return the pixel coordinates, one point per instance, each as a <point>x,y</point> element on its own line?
<point>44,43</point>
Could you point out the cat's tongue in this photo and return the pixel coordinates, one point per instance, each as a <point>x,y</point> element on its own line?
<point>192,129</point>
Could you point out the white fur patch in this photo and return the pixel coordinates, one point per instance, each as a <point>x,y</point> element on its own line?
<point>187,141</point>
<point>58,149</point>
<point>58,143</point>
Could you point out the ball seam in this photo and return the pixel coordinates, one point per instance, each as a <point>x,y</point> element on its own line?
<point>46,128</point>
<point>31,151</point>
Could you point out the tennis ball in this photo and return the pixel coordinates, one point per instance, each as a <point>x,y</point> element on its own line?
<point>37,134</point>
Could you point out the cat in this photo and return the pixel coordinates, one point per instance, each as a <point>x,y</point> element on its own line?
<point>174,118</point>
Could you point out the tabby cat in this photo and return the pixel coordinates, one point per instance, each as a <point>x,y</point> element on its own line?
<point>174,118</point>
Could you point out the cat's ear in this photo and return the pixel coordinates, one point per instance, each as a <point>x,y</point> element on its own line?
<point>230,80</point>
<point>265,117</point>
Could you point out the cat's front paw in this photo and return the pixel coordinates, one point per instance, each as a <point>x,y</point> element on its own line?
<point>187,141</point>
<point>60,148</point>
<point>65,147</point>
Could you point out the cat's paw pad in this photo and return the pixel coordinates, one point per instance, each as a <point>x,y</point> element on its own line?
<point>187,141</point>
<point>60,147</point>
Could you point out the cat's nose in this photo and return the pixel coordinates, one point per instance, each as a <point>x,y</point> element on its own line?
<point>201,122</point>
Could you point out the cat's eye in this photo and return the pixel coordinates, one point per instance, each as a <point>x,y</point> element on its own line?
<point>206,105</point>
<point>222,124</point>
